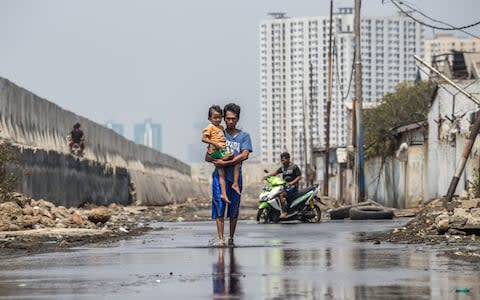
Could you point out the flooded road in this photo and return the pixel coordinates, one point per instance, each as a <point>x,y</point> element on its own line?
<point>281,261</point>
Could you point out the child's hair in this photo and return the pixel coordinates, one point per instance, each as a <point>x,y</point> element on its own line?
<point>214,108</point>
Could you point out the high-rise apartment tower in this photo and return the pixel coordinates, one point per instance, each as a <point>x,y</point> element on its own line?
<point>294,76</point>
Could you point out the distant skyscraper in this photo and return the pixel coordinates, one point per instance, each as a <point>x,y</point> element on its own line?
<point>294,75</point>
<point>148,134</point>
<point>117,127</point>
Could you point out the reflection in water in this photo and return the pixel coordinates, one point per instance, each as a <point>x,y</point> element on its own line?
<point>358,273</point>
<point>226,285</point>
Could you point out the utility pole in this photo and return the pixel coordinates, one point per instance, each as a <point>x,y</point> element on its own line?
<point>359,157</point>
<point>305,143</point>
<point>308,172</point>
<point>329,106</point>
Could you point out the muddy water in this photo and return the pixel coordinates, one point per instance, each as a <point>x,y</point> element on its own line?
<point>288,261</point>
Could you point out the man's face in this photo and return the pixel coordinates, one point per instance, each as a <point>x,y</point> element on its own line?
<point>285,161</point>
<point>231,120</point>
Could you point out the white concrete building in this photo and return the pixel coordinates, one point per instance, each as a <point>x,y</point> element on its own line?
<point>294,76</point>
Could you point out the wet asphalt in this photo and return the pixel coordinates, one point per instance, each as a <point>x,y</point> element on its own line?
<point>275,261</point>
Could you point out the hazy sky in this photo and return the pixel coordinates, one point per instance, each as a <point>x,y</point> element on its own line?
<point>127,61</point>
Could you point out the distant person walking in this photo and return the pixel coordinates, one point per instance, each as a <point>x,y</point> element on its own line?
<point>240,144</point>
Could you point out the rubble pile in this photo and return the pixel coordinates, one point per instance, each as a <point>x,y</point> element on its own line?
<point>25,213</point>
<point>434,224</point>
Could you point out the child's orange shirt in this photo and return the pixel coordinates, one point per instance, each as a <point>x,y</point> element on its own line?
<point>215,134</point>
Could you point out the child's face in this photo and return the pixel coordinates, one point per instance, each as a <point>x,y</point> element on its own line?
<point>215,118</point>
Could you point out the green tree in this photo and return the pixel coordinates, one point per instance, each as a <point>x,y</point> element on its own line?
<point>407,104</point>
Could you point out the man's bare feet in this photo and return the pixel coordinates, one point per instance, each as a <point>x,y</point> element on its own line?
<point>283,215</point>
<point>236,188</point>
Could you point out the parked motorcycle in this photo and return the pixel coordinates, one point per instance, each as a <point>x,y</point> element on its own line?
<point>303,205</point>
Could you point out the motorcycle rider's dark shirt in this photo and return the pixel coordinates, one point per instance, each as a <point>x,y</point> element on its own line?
<point>290,173</point>
<point>76,135</point>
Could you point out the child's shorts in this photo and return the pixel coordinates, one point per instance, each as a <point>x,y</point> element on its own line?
<point>219,153</point>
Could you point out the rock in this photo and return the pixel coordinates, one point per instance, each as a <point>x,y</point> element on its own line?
<point>14,227</point>
<point>45,204</point>
<point>99,215</point>
<point>20,199</point>
<point>76,219</point>
<point>28,210</point>
<point>473,222</point>
<point>460,216</point>
<point>112,206</point>
<point>475,212</point>
<point>30,221</point>
<point>44,220</point>
<point>61,212</point>
<point>36,210</point>
<point>44,212</point>
<point>453,231</point>
<point>3,227</point>
<point>180,219</point>
<point>468,204</point>
<point>442,223</point>
<point>11,208</point>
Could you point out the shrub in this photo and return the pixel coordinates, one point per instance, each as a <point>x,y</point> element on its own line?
<point>8,160</point>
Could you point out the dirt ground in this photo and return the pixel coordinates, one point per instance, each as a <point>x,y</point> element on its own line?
<point>128,221</point>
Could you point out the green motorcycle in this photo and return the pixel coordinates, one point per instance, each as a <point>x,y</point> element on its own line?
<point>303,205</point>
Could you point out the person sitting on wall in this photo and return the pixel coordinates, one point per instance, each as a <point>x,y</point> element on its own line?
<point>76,137</point>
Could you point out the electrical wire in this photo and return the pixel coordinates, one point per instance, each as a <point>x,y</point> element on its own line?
<point>344,97</point>
<point>429,25</point>
<point>438,21</point>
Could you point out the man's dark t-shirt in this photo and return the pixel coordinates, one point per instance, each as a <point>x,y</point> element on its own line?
<point>76,135</point>
<point>290,173</point>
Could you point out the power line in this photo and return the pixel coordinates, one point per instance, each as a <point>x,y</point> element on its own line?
<point>429,25</point>
<point>438,21</point>
<point>335,49</point>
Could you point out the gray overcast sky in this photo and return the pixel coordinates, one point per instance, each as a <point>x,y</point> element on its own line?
<point>166,60</point>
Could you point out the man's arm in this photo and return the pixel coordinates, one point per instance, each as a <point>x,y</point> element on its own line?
<point>295,181</point>
<point>237,159</point>
<point>274,173</point>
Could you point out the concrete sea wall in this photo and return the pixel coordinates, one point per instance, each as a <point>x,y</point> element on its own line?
<point>110,165</point>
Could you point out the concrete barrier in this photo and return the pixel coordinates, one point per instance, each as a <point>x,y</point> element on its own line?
<point>31,122</point>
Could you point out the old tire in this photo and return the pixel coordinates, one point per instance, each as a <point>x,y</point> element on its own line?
<point>340,213</point>
<point>370,213</point>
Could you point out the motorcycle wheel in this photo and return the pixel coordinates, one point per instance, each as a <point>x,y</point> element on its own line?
<point>317,215</point>
<point>262,215</point>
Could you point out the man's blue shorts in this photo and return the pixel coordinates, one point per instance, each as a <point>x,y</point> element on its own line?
<point>218,205</point>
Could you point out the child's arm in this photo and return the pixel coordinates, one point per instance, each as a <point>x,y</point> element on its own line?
<point>206,140</point>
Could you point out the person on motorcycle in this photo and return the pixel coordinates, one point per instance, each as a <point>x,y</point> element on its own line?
<point>292,175</point>
<point>77,137</point>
